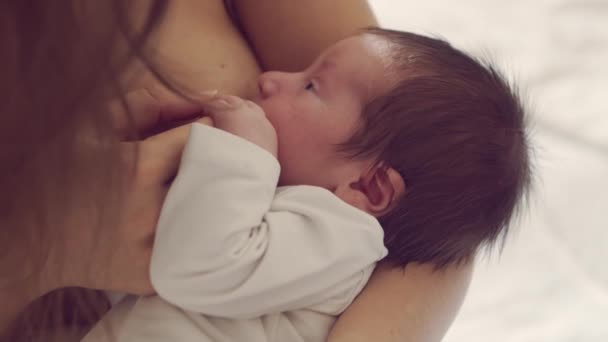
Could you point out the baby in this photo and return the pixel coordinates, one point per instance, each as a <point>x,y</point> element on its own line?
<point>389,145</point>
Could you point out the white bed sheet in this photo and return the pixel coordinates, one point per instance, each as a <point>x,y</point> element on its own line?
<point>551,282</point>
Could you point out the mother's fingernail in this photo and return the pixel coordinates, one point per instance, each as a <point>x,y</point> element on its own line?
<point>207,94</point>
<point>218,103</point>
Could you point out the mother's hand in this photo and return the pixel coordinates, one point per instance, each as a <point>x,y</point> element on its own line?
<point>116,256</point>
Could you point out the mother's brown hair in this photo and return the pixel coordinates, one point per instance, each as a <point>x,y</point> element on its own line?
<point>60,61</point>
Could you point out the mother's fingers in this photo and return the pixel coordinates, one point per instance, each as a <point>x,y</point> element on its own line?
<point>143,110</point>
<point>131,237</point>
<point>206,120</point>
<point>160,154</point>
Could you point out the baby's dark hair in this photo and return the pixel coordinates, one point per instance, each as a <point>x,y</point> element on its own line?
<point>455,131</point>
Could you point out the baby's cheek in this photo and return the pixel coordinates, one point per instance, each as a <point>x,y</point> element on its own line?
<point>295,162</point>
<point>274,116</point>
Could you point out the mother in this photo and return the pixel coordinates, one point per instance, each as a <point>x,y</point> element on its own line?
<point>77,207</point>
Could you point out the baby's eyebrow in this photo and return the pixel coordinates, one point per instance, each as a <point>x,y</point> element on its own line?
<point>327,64</point>
<point>323,76</point>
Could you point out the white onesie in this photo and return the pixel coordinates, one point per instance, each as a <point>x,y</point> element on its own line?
<point>237,259</point>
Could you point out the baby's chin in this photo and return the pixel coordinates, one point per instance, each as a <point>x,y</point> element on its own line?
<point>264,107</point>
<point>257,99</point>
<point>285,179</point>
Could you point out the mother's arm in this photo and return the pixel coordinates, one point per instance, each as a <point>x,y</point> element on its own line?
<point>411,304</point>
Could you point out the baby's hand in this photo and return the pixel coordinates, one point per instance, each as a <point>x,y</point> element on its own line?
<point>244,119</point>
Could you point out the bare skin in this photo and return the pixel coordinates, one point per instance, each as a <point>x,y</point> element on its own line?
<point>411,304</point>
<point>201,48</point>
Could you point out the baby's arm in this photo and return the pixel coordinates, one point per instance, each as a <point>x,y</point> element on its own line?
<point>221,251</point>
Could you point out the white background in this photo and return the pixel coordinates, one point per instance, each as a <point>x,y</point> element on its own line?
<point>551,282</point>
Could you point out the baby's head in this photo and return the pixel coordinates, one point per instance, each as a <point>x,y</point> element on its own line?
<point>405,127</point>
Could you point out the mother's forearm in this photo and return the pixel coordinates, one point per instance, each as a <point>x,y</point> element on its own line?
<point>415,304</point>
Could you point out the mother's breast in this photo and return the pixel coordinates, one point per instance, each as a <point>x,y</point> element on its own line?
<point>199,47</point>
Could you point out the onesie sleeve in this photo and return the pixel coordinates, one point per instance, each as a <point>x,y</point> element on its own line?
<point>228,244</point>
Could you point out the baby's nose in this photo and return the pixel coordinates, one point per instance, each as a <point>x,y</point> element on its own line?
<point>267,85</point>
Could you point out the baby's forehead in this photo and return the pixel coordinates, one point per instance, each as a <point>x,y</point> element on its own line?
<point>364,42</point>
<point>360,52</point>
<point>358,63</point>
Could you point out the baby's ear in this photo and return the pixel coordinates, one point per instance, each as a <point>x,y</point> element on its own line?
<point>375,192</point>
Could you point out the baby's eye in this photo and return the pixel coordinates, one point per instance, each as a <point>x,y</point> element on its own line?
<point>310,86</point>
